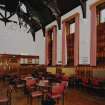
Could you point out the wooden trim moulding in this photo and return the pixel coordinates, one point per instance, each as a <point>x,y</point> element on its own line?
<point>77,32</point>
<point>93,46</point>
<point>70,17</point>
<point>97,3</point>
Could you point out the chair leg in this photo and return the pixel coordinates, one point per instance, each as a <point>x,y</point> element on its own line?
<point>57,100</point>
<point>9,102</point>
<point>63,100</point>
<point>30,100</point>
<point>38,100</point>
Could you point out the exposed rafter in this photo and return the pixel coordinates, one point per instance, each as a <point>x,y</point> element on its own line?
<point>53,6</point>
<point>35,19</point>
<point>6,18</point>
<point>83,6</point>
<point>38,13</point>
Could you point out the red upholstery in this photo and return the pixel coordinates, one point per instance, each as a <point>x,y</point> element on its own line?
<point>58,89</point>
<point>3,99</point>
<point>58,92</point>
<point>2,73</point>
<point>85,82</point>
<point>30,82</point>
<point>65,78</point>
<point>64,83</point>
<point>96,82</point>
<point>36,93</point>
<point>56,96</point>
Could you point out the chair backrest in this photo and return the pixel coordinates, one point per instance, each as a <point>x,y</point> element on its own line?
<point>65,78</point>
<point>65,84</point>
<point>30,82</point>
<point>58,89</point>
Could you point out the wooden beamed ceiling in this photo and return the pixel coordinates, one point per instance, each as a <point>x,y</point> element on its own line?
<point>39,12</point>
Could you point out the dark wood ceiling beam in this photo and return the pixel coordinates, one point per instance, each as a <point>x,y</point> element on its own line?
<point>83,6</point>
<point>59,22</point>
<point>53,6</point>
<point>35,22</point>
<point>36,16</point>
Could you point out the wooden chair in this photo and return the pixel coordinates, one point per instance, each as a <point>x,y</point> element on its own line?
<point>6,99</point>
<point>35,94</point>
<point>57,93</point>
<point>65,84</point>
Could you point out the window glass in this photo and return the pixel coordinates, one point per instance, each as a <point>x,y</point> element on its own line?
<point>21,61</point>
<point>102,16</point>
<point>33,61</point>
<point>25,60</point>
<point>72,28</point>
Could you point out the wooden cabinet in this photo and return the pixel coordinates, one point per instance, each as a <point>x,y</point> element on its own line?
<point>18,63</point>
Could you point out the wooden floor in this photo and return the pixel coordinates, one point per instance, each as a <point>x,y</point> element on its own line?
<point>72,97</point>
